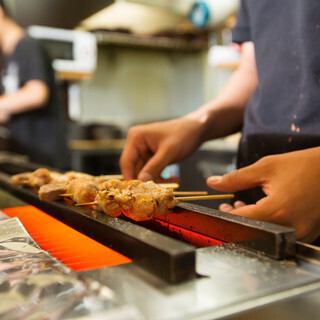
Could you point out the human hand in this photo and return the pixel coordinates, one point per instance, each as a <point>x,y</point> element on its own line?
<point>4,114</point>
<point>150,148</point>
<point>226,207</point>
<point>291,184</point>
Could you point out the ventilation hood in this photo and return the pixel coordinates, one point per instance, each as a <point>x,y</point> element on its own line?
<point>54,13</point>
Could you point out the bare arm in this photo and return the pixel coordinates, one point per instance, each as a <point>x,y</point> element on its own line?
<point>149,148</point>
<point>34,94</point>
<point>224,115</point>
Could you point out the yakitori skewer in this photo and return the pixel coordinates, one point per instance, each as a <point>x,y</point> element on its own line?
<point>190,193</point>
<point>207,197</point>
<point>133,198</point>
<point>140,207</point>
<point>175,193</point>
<point>169,185</point>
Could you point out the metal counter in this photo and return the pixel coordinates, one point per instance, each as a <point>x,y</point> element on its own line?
<point>232,283</point>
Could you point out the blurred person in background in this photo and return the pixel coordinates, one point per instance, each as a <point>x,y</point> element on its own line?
<point>29,105</point>
<point>274,99</point>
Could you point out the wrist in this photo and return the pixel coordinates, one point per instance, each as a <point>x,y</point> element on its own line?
<point>5,108</point>
<point>203,117</point>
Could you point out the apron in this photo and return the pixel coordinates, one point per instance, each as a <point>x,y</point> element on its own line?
<point>256,146</point>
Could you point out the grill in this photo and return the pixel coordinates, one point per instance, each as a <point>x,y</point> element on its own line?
<point>165,246</point>
<point>192,263</point>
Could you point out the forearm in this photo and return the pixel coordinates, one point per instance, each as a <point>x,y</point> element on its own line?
<point>224,115</point>
<point>32,96</point>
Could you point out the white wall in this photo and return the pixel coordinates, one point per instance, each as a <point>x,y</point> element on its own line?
<point>139,85</point>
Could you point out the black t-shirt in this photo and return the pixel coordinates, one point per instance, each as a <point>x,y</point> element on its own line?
<point>286,35</point>
<point>37,132</point>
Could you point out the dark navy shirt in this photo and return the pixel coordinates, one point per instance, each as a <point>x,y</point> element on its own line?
<point>286,34</point>
<point>38,132</point>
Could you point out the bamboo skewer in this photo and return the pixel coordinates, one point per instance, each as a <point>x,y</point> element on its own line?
<point>208,197</point>
<point>191,198</point>
<point>67,195</point>
<point>86,204</point>
<point>171,185</point>
<point>190,193</point>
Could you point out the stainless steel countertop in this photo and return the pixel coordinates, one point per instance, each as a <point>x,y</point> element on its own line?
<point>232,281</point>
<point>232,284</point>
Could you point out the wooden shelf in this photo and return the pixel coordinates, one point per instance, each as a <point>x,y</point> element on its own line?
<point>73,76</point>
<point>91,145</point>
<point>152,42</point>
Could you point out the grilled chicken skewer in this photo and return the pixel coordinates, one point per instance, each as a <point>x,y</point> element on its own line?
<point>135,199</point>
<point>139,200</point>
<point>51,185</point>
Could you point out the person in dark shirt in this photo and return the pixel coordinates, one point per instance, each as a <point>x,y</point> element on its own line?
<point>28,100</point>
<point>274,98</point>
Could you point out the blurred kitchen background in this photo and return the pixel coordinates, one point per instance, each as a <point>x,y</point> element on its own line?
<point>119,63</point>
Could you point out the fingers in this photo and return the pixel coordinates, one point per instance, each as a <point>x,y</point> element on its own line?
<point>239,204</point>
<point>226,207</point>
<point>155,165</point>
<point>134,155</point>
<point>245,178</point>
<point>135,163</point>
<point>129,161</point>
<point>262,210</point>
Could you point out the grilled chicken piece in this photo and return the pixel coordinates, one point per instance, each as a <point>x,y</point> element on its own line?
<point>82,190</point>
<point>71,175</point>
<point>21,179</point>
<point>52,191</point>
<point>136,199</point>
<point>141,207</point>
<point>33,180</point>
<point>37,178</point>
<point>107,203</point>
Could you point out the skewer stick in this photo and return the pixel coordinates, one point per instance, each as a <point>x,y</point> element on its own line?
<point>208,197</point>
<point>169,185</point>
<point>190,193</point>
<point>66,195</point>
<point>86,204</point>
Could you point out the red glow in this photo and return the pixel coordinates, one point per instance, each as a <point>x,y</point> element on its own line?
<point>74,249</point>
<point>192,237</point>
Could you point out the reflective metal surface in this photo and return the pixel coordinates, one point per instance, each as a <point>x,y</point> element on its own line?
<point>232,284</point>
<point>232,281</point>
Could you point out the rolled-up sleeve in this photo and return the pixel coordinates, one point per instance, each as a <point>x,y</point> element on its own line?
<point>242,31</point>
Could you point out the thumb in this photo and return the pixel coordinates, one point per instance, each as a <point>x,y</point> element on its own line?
<point>155,165</point>
<point>245,178</point>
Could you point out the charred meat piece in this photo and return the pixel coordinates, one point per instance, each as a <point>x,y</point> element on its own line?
<point>21,179</point>
<point>52,191</point>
